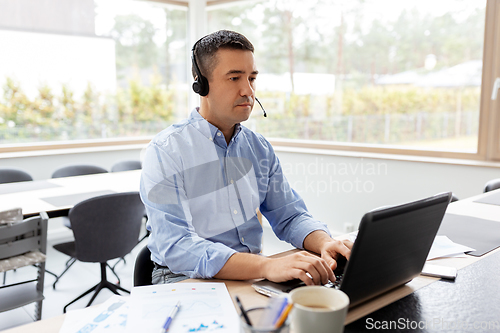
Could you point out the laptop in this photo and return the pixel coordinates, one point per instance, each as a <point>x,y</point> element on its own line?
<point>390,250</point>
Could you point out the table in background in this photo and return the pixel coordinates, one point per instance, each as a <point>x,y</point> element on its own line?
<point>56,196</point>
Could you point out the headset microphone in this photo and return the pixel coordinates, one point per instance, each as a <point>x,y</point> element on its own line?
<point>265,115</point>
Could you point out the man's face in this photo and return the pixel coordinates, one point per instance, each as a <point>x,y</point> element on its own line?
<point>232,87</point>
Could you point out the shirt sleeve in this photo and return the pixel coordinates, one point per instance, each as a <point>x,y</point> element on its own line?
<point>284,208</point>
<point>173,241</point>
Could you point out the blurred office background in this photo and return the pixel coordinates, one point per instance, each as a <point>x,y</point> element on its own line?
<point>369,103</point>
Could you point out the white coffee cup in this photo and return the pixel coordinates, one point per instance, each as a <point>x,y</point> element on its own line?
<point>318,309</point>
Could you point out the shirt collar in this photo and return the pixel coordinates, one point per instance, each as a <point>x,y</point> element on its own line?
<point>208,130</point>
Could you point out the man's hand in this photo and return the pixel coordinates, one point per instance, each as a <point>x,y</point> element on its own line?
<point>330,249</point>
<point>301,265</point>
<point>309,268</point>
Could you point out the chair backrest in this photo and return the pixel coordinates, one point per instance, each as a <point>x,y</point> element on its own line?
<point>78,170</point>
<point>126,166</point>
<point>493,184</point>
<point>26,236</point>
<point>143,268</point>
<point>14,175</point>
<point>24,244</point>
<point>106,227</point>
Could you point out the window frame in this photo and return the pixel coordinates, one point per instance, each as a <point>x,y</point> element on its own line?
<point>488,148</point>
<point>489,130</point>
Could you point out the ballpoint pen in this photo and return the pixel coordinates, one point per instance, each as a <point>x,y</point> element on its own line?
<point>170,317</point>
<point>283,315</point>
<point>243,312</point>
<point>272,312</point>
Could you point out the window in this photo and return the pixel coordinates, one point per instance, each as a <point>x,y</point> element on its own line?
<point>85,69</point>
<point>404,77</point>
<point>395,75</point>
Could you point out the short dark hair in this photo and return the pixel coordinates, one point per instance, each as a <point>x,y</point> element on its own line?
<point>206,49</point>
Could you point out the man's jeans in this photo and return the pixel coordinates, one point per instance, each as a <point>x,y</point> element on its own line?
<point>163,275</point>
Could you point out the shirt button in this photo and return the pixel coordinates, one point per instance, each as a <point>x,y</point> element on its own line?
<point>218,134</point>
<point>235,211</point>
<point>232,181</point>
<point>242,239</point>
<point>211,139</point>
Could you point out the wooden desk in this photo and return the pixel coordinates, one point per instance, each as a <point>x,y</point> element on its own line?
<point>44,195</point>
<point>477,287</point>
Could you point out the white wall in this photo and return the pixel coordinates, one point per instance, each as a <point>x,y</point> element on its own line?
<point>336,189</point>
<point>339,189</point>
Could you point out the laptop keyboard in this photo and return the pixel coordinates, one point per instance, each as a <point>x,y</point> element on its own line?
<point>337,282</point>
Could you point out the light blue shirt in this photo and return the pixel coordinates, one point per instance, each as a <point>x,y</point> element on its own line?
<point>202,196</point>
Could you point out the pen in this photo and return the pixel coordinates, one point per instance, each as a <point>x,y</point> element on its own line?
<point>272,312</point>
<point>171,317</point>
<point>280,310</point>
<point>283,315</point>
<point>243,312</point>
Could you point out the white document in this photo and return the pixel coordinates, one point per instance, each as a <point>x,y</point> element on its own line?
<point>445,247</point>
<point>109,317</point>
<point>72,318</point>
<point>205,307</point>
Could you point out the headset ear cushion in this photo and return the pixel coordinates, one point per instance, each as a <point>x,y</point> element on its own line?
<point>197,87</point>
<point>202,85</point>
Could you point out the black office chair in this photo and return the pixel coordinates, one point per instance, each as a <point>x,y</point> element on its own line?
<point>143,268</point>
<point>126,166</point>
<point>71,171</point>
<point>105,228</point>
<point>77,170</point>
<point>493,184</point>
<point>13,176</point>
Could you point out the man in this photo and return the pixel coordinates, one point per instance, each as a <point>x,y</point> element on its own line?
<point>204,179</point>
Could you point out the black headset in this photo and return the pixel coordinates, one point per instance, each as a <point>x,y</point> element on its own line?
<point>200,84</point>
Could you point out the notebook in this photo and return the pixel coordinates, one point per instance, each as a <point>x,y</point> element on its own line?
<point>389,251</point>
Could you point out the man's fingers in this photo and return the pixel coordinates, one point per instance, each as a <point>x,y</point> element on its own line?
<point>317,267</point>
<point>303,276</point>
<point>340,247</point>
<point>308,269</point>
<point>344,250</point>
<point>348,243</point>
<point>332,263</point>
<point>329,271</point>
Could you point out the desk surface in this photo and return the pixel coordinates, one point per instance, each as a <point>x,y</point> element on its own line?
<point>471,298</point>
<point>469,304</point>
<point>59,194</point>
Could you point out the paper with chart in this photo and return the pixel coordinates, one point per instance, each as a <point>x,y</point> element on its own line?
<point>205,307</point>
<point>109,317</point>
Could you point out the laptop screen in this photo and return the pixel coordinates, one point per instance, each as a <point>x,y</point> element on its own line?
<point>392,246</point>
